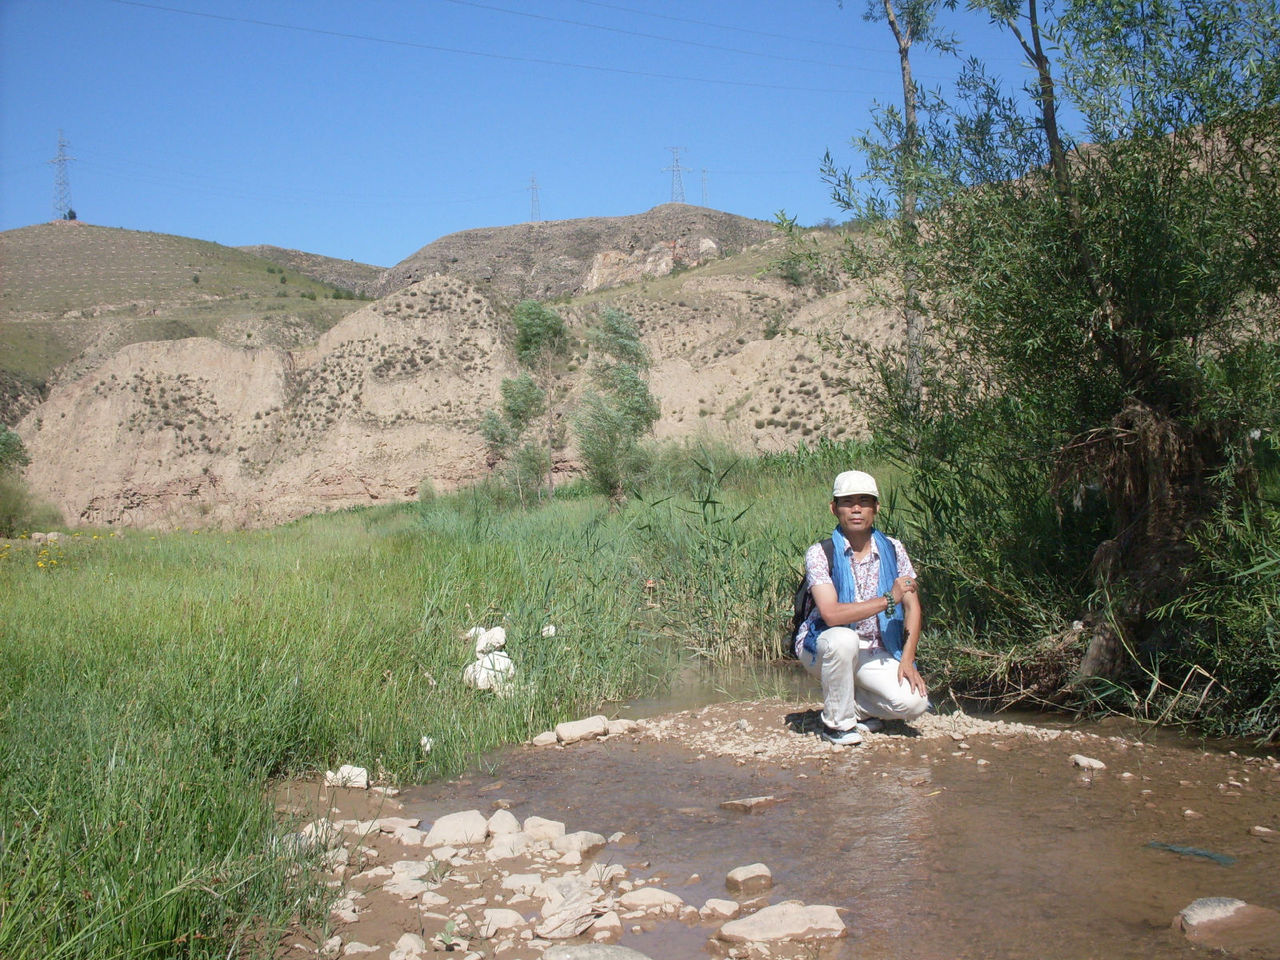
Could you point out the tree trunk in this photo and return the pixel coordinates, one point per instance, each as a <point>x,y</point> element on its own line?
<point>909,161</point>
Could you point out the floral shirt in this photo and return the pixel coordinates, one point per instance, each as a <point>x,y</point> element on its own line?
<point>866,579</point>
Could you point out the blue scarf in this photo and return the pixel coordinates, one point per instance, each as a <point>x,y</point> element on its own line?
<point>891,628</point>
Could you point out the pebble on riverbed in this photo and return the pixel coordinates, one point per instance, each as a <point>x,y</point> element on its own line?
<point>457,877</point>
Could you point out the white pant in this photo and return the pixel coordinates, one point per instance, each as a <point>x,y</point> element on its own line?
<point>858,683</point>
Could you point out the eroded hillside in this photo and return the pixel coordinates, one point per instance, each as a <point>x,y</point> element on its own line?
<point>241,431</point>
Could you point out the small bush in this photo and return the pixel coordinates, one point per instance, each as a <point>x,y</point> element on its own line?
<point>20,511</point>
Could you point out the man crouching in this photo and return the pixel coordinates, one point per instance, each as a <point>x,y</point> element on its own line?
<point>860,639</point>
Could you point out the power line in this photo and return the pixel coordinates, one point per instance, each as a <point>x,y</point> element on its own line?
<point>651,36</point>
<point>677,184</point>
<point>535,208</point>
<point>761,33</point>
<point>510,58</point>
<point>61,184</point>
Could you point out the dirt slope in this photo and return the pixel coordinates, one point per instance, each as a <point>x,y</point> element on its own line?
<point>249,421</point>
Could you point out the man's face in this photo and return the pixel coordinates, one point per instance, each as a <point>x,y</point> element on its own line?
<point>856,514</point>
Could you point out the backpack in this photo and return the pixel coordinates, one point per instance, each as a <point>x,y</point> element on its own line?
<point>803,604</point>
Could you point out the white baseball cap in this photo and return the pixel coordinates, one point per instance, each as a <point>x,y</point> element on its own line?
<point>852,483</point>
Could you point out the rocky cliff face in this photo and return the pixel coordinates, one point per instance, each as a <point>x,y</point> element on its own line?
<point>568,257</point>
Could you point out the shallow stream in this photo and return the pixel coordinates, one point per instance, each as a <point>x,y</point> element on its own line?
<point>929,851</point>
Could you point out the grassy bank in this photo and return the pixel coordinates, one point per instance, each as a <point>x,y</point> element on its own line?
<point>157,684</point>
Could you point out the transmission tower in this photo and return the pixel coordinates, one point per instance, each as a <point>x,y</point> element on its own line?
<point>61,185</point>
<point>704,186</point>
<point>677,185</point>
<point>535,208</point>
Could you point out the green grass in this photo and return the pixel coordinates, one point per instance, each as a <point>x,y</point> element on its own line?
<point>133,286</point>
<point>156,685</point>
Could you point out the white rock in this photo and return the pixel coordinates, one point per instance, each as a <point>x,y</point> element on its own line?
<point>344,910</point>
<point>616,727</point>
<point>789,920</point>
<point>508,845</point>
<point>348,776</point>
<point>605,874</point>
<point>488,641</point>
<point>503,821</point>
<point>716,909</point>
<point>499,919</point>
<point>409,947</point>
<point>572,731</point>
<point>548,631</point>
<point>547,738</point>
<point>571,916</point>
<point>594,951</point>
<point>553,890</point>
<point>426,743</point>
<point>752,878</point>
<point>355,947</point>
<point>492,671</point>
<point>1087,763</point>
<point>583,842</point>
<point>539,828</point>
<point>522,882</point>
<point>331,947</point>
<point>458,829</point>
<point>607,928</point>
<point>651,900</point>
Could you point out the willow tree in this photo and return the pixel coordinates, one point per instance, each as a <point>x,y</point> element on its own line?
<point>1103,363</point>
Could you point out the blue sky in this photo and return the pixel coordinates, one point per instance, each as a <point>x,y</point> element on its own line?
<point>364,130</point>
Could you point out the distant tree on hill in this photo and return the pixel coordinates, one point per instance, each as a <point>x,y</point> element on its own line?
<point>620,410</point>
<point>527,432</point>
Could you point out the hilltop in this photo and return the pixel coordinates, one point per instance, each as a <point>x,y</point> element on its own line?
<point>74,293</point>
<point>361,278</point>
<point>245,407</point>
<point>558,258</point>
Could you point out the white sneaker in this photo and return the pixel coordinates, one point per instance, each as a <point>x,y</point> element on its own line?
<point>869,725</point>
<point>841,738</point>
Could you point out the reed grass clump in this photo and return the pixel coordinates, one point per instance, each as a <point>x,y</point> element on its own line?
<point>158,685</point>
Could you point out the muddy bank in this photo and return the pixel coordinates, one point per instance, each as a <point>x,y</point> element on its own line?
<point>954,837</point>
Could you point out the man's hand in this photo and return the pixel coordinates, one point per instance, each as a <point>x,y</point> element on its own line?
<point>908,672</point>
<point>901,587</point>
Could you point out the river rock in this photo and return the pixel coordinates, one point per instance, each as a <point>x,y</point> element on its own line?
<point>540,829</point>
<point>572,916</point>
<point>458,829</point>
<point>409,947</point>
<point>572,731</point>
<point>1087,763</point>
<point>348,776</point>
<point>583,842</point>
<point>496,919</point>
<point>1223,923</point>
<point>651,900</point>
<point>750,804</point>
<point>616,727</point>
<point>607,928</point>
<point>547,738</point>
<point>593,951</point>
<point>502,822</point>
<point>789,920</point>
<point>749,879</point>
<point>716,909</point>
